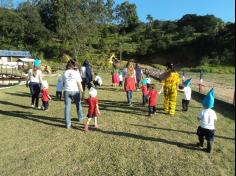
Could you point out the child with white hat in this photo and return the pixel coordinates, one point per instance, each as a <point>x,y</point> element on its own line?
<point>93,110</point>
<point>45,95</point>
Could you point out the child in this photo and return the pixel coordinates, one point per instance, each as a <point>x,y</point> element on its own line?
<point>45,95</point>
<point>93,110</point>
<point>187,93</point>
<point>207,118</point>
<point>59,88</point>
<point>97,81</point>
<point>153,93</point>
<point>120,78</point>
<point>144,91</point>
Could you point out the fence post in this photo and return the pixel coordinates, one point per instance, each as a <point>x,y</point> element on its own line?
<point>234,98</point>
<point>201,82</point>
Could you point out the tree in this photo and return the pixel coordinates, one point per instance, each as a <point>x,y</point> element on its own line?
<point>127,15</point>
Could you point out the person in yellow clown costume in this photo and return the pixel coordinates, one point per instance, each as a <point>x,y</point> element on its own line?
<point>170,81</point>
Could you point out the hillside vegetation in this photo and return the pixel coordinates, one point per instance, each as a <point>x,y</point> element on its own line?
<point>96,29</point>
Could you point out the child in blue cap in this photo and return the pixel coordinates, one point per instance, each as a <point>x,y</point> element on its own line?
<point>144,91</point>
<point>207,119</point>
<point>187,94</point>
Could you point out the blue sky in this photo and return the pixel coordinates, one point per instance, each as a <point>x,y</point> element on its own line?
<point>175,9</point>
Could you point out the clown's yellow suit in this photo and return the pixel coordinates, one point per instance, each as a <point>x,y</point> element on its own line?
<point>170,92</point>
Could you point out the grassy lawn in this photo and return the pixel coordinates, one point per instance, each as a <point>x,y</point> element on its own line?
<point>35,142</point>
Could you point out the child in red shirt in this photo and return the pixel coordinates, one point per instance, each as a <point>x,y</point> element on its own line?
<point>93,110</point>
<point>153,94</point>
<point>45,95</point>
<point>144,91</point>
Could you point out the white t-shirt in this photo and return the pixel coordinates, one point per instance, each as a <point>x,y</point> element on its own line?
<point>187,93</point>
<point>148,80</point>
<point>83,72</point>
<point>71,78</point>
<point>207,119</point>
<point>98,79</point>
<point>35,78</point>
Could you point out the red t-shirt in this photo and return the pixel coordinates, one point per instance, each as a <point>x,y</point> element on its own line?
<point>92,111</point>
<point>44,94</point>
<point>130,83</point>
<point>153,97</point>
<point>144,89</point>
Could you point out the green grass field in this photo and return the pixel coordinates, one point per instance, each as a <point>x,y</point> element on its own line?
<point>35,142</point>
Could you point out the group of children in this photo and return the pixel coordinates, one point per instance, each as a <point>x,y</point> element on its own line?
<point>149,96</point>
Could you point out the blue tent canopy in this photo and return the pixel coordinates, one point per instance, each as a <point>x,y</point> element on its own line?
<point>10,53</point>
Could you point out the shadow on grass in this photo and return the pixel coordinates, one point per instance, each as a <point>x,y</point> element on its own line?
<point>146,138</point>
<point>37,118</point>
<point>20,94</point>
<point>14,104</point>
<point>179,131</point>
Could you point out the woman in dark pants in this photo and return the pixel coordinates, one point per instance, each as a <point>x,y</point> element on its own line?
<point>35,79</point>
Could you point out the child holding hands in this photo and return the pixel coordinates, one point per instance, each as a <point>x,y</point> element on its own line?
<point>93,110</point>
<point>45,95</point>
<point>153,94</point>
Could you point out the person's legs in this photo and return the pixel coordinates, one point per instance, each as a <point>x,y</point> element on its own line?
<point>166,101</point>
<point>200,134</point>
<point>149,110</point>
<point>95,122</point>
<point>46,104</point>
<point>67,100</point>
<point>172,102</point>
<point>154,110</point>
<point>210,139</point>
<point>186,104</point>
<point>183,104</point>
<point>128,97</point>
<point>87,124</point>
<point>76,97</point>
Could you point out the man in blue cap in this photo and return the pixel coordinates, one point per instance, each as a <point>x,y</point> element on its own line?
<point>207,119</point>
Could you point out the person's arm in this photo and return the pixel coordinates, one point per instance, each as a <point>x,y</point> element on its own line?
<point>49,97</point>
<point>80,86</point>
<point>160,90</point>
<point>98,109</point>
<point>40,77</point>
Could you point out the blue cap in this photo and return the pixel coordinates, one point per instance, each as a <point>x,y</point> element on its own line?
<point>37,63</point>
<point>208,101</point>
<point>187,82</point>
<point>144,82</point>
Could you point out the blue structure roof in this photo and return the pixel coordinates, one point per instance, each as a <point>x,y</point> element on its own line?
<point>10,53</point>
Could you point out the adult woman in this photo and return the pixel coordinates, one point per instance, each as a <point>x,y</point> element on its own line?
<point>72,89</point>
<point>35,79</point>
<point>170,83</point>
<point>129,77</point>
<point>87,77</point>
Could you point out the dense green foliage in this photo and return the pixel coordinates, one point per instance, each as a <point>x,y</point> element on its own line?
<point>95,29</point>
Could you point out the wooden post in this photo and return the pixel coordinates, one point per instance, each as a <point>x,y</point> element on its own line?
<point>201,82</point>
<point>234,98</point>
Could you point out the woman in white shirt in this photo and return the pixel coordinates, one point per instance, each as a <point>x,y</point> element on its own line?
<point>35,79</point>
<point>72,89</point>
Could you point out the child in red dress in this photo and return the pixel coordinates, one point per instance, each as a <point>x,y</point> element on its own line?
<point>45,95</point>
<point>93,110</point>
<point>130,87</point>
<point>153,94</point>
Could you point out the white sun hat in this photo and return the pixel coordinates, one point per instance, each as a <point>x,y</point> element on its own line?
<point>92,92</point>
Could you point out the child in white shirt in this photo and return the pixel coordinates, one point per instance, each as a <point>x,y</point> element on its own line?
<point>207,119</point>
<point>187,94</point>
<point>97,81</point>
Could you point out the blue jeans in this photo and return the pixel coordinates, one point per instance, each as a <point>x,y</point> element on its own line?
<point>129,96</point>
<point>69,95</point>
<point>35,88</point>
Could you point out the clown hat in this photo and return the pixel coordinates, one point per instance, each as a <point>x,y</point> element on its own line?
<point>45,84</point>
<point>37,63</point>
<point>187,82</point>
<point>144,82</point>
<point>208,101</point>
<point>92,92</point>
